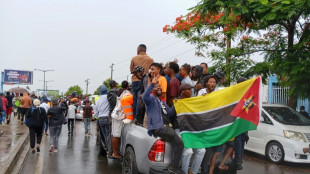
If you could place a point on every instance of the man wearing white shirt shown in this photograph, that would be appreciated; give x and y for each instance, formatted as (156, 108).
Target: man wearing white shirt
(102, 110)
(46, 107)
(71, 117)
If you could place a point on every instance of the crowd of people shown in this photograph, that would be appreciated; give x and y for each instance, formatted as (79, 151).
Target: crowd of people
(148, 102)
(154, 89)
(41, 114)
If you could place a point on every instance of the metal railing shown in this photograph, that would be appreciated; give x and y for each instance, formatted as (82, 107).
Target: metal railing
(279, 94)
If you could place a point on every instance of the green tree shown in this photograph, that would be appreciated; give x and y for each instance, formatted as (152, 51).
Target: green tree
(76, 88)
(105, 83)
(282, 35)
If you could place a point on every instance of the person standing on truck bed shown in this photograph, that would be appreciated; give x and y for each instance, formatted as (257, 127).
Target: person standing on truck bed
(157, 112)
(102, 110)
(143, 60)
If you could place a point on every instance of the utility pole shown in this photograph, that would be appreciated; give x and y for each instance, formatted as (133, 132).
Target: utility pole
(45, 85)
(112, 70)
(87, 82)
(44, 77)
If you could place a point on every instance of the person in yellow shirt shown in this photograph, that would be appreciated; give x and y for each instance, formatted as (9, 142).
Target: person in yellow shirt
(155, 69)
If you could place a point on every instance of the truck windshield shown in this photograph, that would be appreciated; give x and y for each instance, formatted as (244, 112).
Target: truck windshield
(287, 116)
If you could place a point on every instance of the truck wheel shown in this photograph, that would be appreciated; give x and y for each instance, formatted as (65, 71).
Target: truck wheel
(275, 152)
(100, 148)
(129, 162)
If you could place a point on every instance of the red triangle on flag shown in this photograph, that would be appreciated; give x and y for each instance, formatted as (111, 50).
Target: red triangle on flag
(248, 107)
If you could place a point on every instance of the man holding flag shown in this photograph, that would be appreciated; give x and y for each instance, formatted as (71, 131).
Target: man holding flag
(158, 122)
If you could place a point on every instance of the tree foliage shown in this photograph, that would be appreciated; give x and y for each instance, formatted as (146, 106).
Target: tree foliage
(105, 83)
(277, 29)
(76, 88)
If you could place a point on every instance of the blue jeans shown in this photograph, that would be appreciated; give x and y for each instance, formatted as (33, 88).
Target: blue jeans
(197, 155)
(239, 148)
(45, 125)
(104, 125)
(2, 117)
(54, 135)
(87, 124)
(136, 88)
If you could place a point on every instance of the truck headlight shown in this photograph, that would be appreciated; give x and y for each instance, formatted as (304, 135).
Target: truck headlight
(297, 136)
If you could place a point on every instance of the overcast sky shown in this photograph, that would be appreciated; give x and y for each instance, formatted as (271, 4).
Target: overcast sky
(80, 39)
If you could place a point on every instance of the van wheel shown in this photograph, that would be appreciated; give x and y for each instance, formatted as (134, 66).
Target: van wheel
(129, 162)
(99, 145)
(275, 152)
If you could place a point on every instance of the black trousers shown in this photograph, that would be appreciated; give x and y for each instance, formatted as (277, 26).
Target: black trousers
(141, 111)
(169, 135)
(24, 112)
(19, 112)
(35, 132)
(70, 124)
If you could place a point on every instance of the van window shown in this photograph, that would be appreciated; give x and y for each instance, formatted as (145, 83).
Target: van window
(287, 116)
(264, 119)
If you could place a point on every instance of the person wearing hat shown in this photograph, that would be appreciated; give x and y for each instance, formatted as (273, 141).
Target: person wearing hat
(190, 153)
(36, 117)
(102, 111)
(46, 106)
(56, 120)
(209, 83)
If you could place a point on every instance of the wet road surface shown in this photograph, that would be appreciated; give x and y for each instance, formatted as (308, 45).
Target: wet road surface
(78, 154)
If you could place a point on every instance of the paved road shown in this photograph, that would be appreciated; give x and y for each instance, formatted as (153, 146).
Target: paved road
(78, 154)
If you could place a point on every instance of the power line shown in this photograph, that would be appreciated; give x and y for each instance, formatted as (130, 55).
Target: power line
(157, 43)
(179, 54)
(165, 47)
(165, 39)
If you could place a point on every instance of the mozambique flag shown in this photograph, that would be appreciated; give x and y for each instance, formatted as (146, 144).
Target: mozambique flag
(215, 118)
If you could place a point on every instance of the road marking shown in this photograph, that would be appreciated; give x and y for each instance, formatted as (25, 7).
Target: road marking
(39, 165)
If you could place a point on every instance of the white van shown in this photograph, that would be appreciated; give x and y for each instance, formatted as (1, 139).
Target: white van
(281, 135)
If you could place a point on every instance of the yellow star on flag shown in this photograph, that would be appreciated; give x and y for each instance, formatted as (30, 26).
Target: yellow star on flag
(248, 104)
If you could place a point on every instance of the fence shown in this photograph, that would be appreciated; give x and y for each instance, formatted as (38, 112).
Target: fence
(279, 94)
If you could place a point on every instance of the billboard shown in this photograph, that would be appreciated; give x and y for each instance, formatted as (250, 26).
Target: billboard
(18, 77)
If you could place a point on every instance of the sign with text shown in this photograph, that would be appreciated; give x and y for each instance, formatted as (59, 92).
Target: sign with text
(18, 77)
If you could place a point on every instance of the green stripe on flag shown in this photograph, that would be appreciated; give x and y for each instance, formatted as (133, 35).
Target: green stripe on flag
(215, 137)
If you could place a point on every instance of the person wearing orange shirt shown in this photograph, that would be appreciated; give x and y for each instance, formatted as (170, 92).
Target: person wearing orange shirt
(155, 69)
(25, 102)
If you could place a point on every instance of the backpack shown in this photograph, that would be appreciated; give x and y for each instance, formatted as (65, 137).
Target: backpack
(17, 103)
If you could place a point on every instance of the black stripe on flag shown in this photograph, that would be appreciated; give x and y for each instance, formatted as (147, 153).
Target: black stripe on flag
(205, 121)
